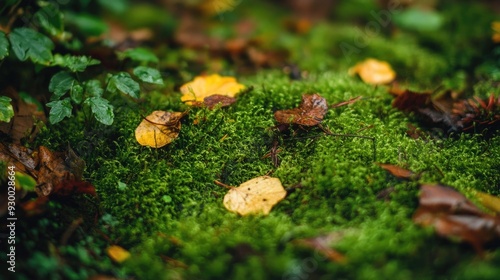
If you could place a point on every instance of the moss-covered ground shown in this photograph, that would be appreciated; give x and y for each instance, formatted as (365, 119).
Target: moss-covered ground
(163, 206)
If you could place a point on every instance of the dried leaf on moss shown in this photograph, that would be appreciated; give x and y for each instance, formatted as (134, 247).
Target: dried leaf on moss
(452, 215)
(373, 71)
(398, 172)
(256, 196)
(322, 244)
(159, 129)
(204, 86)
(310, 112)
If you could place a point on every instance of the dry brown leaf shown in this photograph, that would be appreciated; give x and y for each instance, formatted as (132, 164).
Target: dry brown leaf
(256, 196)
(204, 86)
(159, 129)
(398, 172)
(453, 215)
(213, 100)
(117, 253)
(322, 244)
(310, 112)
(374, 71)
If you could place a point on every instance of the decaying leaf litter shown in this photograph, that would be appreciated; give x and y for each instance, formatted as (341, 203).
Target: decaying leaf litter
(160, 125)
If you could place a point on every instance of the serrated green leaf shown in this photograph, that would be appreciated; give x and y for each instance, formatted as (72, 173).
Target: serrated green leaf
(6, 109)
(51, 20)
(28, 43)
(76, 94)
(4, 45)
(148, 75)
(93, 88)
(61, 83)
(74, 63)
(141, 55)
(59, 110)
(103, 111)
(124, 83)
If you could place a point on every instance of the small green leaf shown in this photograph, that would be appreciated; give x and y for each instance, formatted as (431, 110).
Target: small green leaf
(88, 24)
(93, 88)
(122, 186)
(4, 45)
(74, 63)
(25, 181)
(124, 83)
(28, 43)
(419, 20)
(31, 100)
(51, 20)
(116, 6)
(59, 110)
(141, 55)
(76, 94)
(148, 75)
(6, 109)
(103, 111)
(61, 83)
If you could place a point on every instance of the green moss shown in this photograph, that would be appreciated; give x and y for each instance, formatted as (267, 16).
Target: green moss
(163, 205)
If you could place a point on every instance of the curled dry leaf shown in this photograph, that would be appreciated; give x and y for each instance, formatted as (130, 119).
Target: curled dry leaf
(373, 71)
(256, 196)
(453, 215)
(159, 129)
(117, 253)
(204, 86)
(310, 112)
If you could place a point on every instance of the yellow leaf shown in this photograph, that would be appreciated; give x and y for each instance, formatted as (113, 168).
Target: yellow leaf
(489, 201)
(255, 196)
(117, 253)
(158, 129)
(374, 71)
(212, 7)
(203, 86)
(496, 31)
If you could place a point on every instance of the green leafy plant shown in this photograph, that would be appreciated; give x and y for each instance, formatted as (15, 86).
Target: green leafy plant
(71, 92)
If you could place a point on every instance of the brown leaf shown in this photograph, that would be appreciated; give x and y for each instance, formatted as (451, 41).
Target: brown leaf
(322, 244)
(453, 215)
(213, 100)
(397, 171)
(310, 112)
(26, 118)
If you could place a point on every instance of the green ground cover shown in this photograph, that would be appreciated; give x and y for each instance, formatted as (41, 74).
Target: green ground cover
(163, 206)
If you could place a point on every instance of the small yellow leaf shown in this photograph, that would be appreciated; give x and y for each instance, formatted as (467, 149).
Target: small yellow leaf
(255, 196)
(374, 71)
(203, 86)
(117, 253)
(489, 201)
(496, 31)
(158, 129)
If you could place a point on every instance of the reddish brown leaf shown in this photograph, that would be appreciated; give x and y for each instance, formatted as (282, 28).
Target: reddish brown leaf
(310, 112)
(213, 100)
(453, 215)
(397, 171)
(322, 244)
(411, 101)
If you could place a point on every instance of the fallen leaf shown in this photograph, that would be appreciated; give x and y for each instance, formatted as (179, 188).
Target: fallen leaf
(159, 129)
(322, 244)
(489, 201)
(310, 112)
(347, 102)
(397, 171)
(452, 215)
(204, 86)
(117, 253)
(373, 71)
(27, 116)
(256, 196)
(213, 100)
(496, 31)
